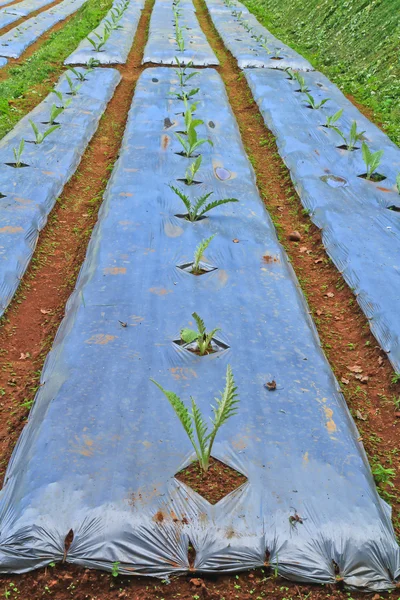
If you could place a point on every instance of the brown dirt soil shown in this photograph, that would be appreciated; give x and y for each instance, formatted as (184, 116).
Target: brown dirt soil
(28, 328)
(214, 485)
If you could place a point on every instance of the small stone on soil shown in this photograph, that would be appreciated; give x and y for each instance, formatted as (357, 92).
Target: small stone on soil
(294, 236)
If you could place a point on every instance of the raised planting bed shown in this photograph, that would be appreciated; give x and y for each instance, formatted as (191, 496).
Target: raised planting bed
(12, 13)
(96, 477)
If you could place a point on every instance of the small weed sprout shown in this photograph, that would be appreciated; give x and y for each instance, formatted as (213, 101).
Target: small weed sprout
(18, 153)
(313, 104)
(115, 568)
(73, 89)
(199, 207)
(40, 137)
(302, 83)
(201, 337)
(201, 248)
(396, 378)
(372, 160)
(330, 121)
(398, 183)
(382, 475)
(354, 136)
(226, 407)
(192, 170)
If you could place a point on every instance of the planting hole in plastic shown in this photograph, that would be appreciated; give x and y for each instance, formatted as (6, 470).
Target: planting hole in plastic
(2, 196)
(69, 538)
(267, 559)
(375, 177)
(191, 556)
(215, 346)
(394, 208)
(184, 155)
(334, 181)
(15, 166)
(186, 217)
(203, 268)
(345, 147)
(222, 174)
(185, 181)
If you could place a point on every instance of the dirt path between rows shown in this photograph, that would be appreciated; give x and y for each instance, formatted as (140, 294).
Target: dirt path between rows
(28, 328)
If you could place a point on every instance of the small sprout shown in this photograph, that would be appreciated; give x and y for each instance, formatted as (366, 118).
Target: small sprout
(226, 407)
(185, 96)
(192, 170)
(201, 337)
(181, 72)
(302, 83)
(40, 137)
(201, 248)
(372, 160)
(398, 183)
(73, 89)
(197, 209)
(313, 104)
(80, 75)
(353, 138)
(290, 73)
(55, 112)
(92, 63)
(18, 153)
(115, 568)
(330, 121)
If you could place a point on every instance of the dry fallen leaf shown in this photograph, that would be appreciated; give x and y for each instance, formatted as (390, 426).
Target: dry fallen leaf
(345, 381)
(319, 312)
(360, 416)
(44, 311)
(355, 369)
(330, 294)
(319, 260)
(380, 360)
(303, 249)
(362, 378)
(270, 385)
(24, 355)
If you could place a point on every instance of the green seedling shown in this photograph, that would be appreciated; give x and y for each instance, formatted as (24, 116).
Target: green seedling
(185, 96)
(81, 76)
(54, 113)
(290, 73)
(265, 46)
(354, 136)
(115, 568)
(316, 105)
(18, 153)
(91, 64)
(398, 183)
(184, 77)
(201, 336)
(180, 39)
(192, 143)
(40, 137)
(73, 89)
(199, 207)
(101, 39)
(192, 422)
(330, 121)
(192, 170)
(277, 52)
(302, 83)
(382, 475)
(201, 248)
(372, 160)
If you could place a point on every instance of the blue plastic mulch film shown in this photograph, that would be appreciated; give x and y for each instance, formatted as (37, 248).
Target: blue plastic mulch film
(105, 470)
(122, 20)
(17, 40)
(9, 14)
(28, 193)
(162, 46)
(3, 62)
(250, 43)
(359, 219)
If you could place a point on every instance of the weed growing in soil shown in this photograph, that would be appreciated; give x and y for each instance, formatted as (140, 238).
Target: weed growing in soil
(192, 170)
(18, 153)
(330, 121)
(313, 104)
(199, 207)
(372, 160)
(201, 248)
(40, 137)
(225, 408)
(201, 336)
(115, 569)
(354, 136)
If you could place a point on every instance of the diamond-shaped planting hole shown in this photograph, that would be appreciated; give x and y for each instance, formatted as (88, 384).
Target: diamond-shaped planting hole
(219, 481)
(214, 347)
(203, 268)
(186, 217)
(2, 196)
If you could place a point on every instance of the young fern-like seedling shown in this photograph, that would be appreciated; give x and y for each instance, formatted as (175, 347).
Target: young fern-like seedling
(192, 170)
(354, 136)
(73, 89)
(202, 337)
(18, 153)
(199, 207)
(40, 137)
(226, 407)
(192, 141)
(313, 104)
(330, 121)
(302, 83)
(198, 253)
(372, 160)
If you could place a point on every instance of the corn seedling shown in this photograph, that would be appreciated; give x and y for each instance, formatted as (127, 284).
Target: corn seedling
(313, 104)
(192, 422)
(302, 83)
(40, 137)
(192, 142)
(91, 64)
(372, 160)
(202, 337)
(101, 39)
(199, 206)
(198, 253)
(73, 89)
(354, 136)
(265, 46)
(18, 153)
(290, 73)
(185, 96)
(184, 77)
(192, 170)
(180, 39)
(330, 121)
(54, 113)
(398, 183)
(80, 75)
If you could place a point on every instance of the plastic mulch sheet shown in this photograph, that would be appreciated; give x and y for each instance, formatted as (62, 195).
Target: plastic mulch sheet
(17, 40)
(102, 444)
(162, 48)
(250, 43)
(27, 194)
(9, 14)
(117, 47)
(3, 62)
(359, 219)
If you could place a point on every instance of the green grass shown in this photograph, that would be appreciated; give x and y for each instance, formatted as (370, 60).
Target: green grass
(27, 83)
(354, 42)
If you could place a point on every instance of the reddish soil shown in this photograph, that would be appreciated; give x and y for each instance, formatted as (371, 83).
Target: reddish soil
(28, 328)
(214, 485)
